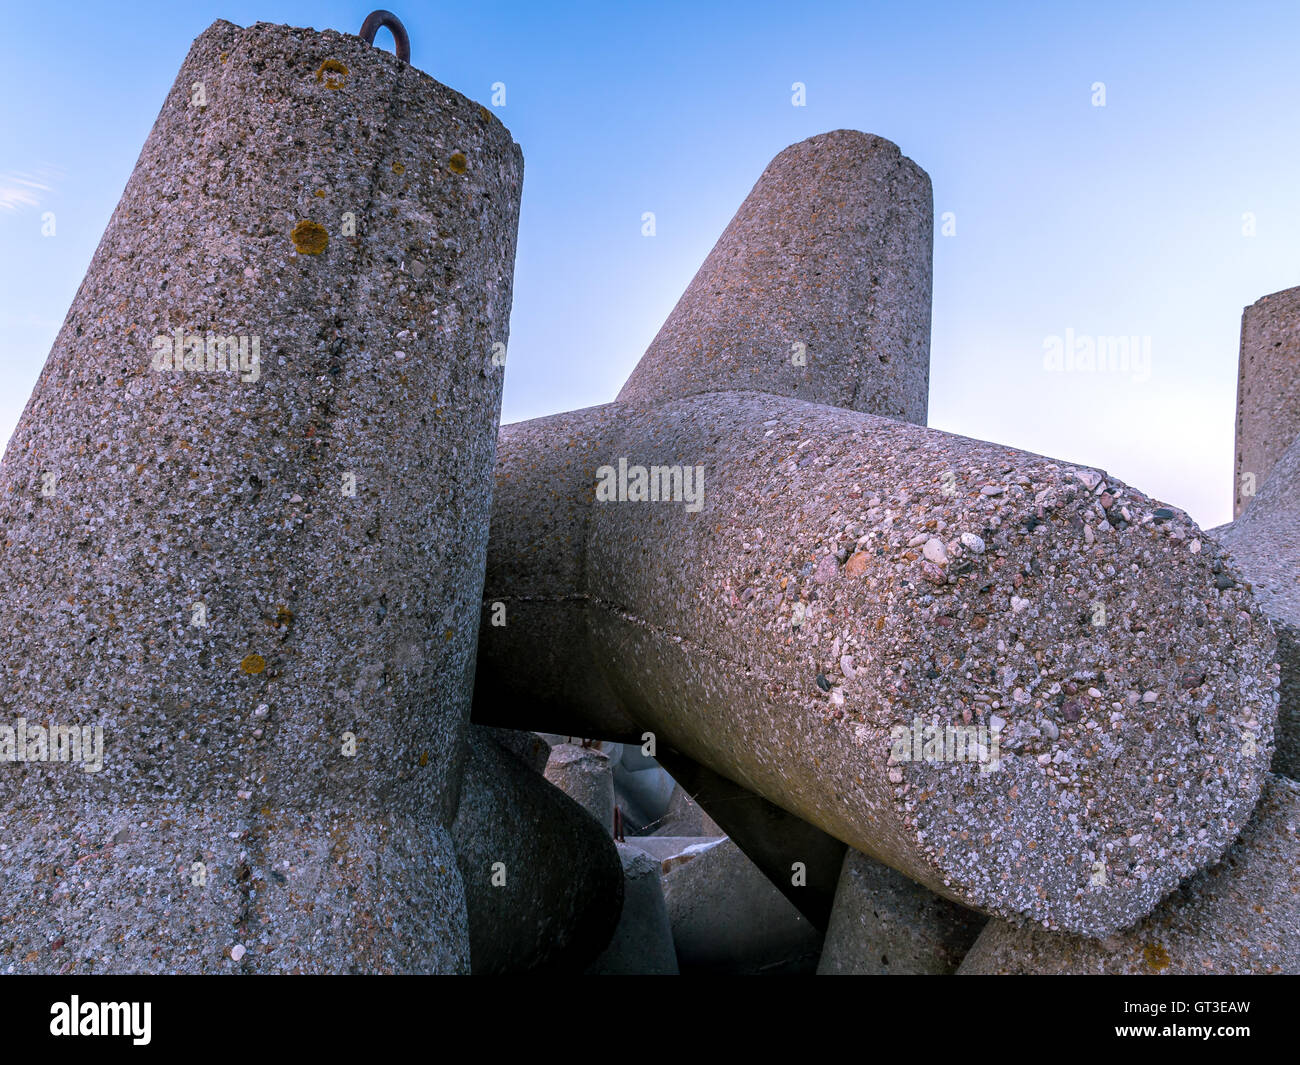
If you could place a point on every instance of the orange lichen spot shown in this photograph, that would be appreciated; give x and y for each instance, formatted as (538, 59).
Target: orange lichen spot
(320, 193)
(283, 618)
(331, 66)
(253, 663)
(309, 238)
(224, 56)
(424, 758)
(458, 164)
(398, 168)
(484, 113)
(1156, 957)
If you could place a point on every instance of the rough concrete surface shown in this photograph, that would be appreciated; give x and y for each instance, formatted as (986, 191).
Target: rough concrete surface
(642, 944)
(1268, 390)
(543, 882)
(1265, 546)
(727, 918)
(183, 562)
(1241, 916)
(884, 924)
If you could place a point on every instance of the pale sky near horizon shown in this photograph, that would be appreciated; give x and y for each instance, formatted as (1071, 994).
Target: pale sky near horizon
(1123, 220)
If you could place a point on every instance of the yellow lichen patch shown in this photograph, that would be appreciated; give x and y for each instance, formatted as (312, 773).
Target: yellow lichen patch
(1156, 957)
(309, 238)
(398, 168)
(331, 66)
(224, 56)
(320, 193)
(424, 758)
(484, 113)
(458, 164)
(253, 663)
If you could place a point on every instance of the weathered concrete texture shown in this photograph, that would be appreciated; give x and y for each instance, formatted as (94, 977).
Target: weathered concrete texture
(1241, 916)
(831, 250)
(585, 775)
(885, 924)
(1268, 388)
(643, 942)
(132, 498)
(1265, 545)
(728, 919)
(847, 576)
(543, 882)
(772, 838)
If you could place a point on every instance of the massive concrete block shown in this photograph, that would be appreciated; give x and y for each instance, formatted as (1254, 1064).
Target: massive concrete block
(850, 580)
(828, 585)
(1268, 390)
(642, 944)
(818, 289)
(586, 776)
(1240, 916)
(884, 924)
(727, 918)
(261, 581)
(1265, 546)
(543, 882)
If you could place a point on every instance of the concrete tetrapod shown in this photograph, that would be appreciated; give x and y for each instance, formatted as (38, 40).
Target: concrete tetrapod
(828, 585)
(884, 924)
(190, 537)
(851, 581)
(543, 880)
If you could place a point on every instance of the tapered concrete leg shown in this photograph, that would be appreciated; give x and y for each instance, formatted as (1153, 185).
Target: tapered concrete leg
(543, 882)
(1268, 391)
(727, 918)
(819, 289)
(1241, 916)
(885, 924)
(261, 580)
(642, 944)
(1265, 546)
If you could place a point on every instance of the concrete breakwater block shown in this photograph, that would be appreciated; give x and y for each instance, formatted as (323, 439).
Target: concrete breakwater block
(727, 918)
(1023, 683)
(265, 433)
(642, 944)
(586, 775)
(543, 882)
(860, 607)
(885, 924)
(1241, 916)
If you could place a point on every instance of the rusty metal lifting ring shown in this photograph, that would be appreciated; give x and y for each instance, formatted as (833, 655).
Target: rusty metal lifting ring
(375, 20)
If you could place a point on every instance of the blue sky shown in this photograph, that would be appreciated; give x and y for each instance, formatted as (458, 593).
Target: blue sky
(1122, 220)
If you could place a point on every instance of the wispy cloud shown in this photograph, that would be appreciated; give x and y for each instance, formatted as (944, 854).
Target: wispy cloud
(20, 189)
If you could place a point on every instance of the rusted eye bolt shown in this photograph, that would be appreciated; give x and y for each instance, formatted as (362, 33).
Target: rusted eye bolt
(377, 19)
